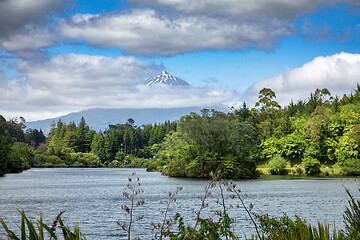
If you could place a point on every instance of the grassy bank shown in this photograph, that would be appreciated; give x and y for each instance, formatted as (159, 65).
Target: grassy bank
(325, 171)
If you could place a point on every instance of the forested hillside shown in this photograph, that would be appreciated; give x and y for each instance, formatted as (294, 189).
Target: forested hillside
(320, 131)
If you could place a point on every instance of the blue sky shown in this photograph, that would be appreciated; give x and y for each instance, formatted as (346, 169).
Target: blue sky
(61, 56)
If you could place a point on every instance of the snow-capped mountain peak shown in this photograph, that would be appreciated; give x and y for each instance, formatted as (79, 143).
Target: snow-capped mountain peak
(167, 79)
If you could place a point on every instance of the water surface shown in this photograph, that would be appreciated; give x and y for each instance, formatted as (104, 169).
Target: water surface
(94, 197)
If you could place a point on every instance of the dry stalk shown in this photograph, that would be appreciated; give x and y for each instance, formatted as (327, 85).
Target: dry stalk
(204, 204)
(131, 191)
(164, 227)
(231, 187)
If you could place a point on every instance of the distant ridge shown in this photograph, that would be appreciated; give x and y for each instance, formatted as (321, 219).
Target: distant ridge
(100, 118)
(167, 79)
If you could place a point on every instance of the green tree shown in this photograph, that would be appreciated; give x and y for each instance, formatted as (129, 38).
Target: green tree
(83, 137)
(98, 147)
(242, 113)
(19, 158)
(34, 137)
(210, 143)
(266, 102)
(4, 149)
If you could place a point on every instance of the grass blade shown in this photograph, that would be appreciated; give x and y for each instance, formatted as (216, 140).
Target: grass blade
(10, 234)
(48, 229)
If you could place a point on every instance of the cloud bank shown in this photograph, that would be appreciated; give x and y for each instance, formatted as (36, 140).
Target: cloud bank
(75, 82)
(285, 9)
(145, 32)
(339, 73)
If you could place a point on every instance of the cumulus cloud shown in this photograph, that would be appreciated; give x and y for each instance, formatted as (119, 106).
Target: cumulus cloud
(146, 32)
(28, 42)
(74, 82)
(14, 14)
(21, 30)
(271, 8)
(31, 38)
(339, 73)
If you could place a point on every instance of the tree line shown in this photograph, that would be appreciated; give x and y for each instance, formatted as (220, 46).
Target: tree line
(321, 130)
(71, 145)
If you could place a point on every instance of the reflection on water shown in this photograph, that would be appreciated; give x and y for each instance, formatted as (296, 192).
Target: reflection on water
(94, 197)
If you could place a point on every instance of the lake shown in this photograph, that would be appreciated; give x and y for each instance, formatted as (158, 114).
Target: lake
(94, 197)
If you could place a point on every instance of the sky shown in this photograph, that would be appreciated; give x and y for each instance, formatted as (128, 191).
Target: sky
(61, 56)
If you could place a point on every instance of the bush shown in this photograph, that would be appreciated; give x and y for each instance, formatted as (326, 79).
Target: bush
(277, 166)
(48, 161)
(114, 164)
(351, 167)
(311, 165)
(80, 159)
(19, 158)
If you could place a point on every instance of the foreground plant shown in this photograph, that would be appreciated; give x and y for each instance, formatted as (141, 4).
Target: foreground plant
(28, 230)
(208, 228)
(231, 187)
(298, 229)
(163, 228)
(352, 216)
(132, 190)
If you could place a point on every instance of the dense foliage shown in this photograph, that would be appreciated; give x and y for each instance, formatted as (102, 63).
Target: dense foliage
(312, 136)
(15, 154)
(320, 131)
(212, 142)
(120, 145)
(71, 145)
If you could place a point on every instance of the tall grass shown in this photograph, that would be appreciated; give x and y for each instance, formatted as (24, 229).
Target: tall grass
(28, 229)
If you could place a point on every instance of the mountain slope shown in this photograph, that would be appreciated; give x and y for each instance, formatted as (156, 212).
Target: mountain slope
(99, 118)
(167, 79)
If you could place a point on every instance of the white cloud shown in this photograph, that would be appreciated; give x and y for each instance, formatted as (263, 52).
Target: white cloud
(75, 82)
(15, 14)
(21, 29)
(146, 32)
(339, 73)
(31, 38)
(270, 8)
(255, 8)
(31, 116)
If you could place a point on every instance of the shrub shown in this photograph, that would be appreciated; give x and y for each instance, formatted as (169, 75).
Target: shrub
(114, 164)
(311, 165)
(277, 166)
(299, 170)
(48, 161)
(19, 158)
(80, 159)
(351, 167)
